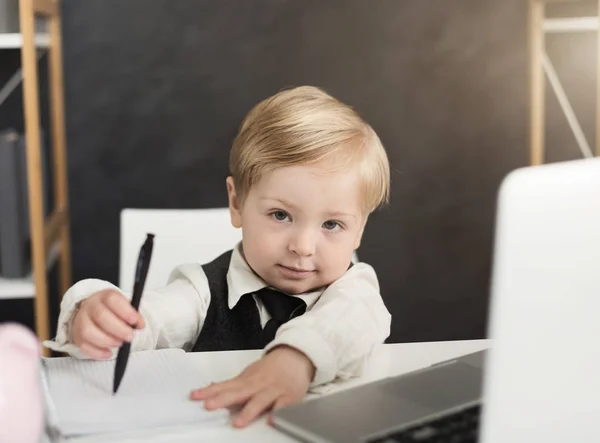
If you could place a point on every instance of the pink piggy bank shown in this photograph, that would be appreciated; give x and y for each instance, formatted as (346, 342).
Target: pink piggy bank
(21, 405)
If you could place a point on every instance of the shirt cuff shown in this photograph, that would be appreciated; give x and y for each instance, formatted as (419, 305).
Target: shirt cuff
(68, 307)
(68, 348)
(314, 346)
(63, 341)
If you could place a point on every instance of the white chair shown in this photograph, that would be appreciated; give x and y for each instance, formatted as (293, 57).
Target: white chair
(182, 236)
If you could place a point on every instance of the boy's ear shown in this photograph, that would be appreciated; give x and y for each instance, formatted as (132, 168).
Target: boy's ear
(234, 208)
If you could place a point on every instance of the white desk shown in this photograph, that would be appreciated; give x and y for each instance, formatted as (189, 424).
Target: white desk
(387, 360)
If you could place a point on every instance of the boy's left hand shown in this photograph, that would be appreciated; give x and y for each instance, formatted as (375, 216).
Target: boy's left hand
(278, 379)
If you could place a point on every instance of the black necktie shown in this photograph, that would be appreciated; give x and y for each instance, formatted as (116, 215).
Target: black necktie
(281, 308)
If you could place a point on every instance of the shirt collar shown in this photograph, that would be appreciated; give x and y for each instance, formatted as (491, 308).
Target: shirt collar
(241, 279)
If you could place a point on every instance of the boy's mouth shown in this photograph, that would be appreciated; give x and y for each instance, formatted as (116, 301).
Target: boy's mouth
(293, 272)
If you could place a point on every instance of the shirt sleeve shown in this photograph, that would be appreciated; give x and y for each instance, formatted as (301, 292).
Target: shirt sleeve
(174, 314)
(343, 327)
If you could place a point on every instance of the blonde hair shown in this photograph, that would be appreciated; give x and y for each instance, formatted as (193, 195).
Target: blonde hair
(304, 126)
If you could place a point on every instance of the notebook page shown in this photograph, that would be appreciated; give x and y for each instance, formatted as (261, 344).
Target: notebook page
(154, 392)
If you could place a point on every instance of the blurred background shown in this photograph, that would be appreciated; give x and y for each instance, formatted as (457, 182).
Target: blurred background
(155, 91)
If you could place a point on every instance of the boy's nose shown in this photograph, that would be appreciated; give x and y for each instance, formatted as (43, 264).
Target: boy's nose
(303, 243)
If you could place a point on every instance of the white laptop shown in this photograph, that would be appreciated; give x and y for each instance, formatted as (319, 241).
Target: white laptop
(541, 379)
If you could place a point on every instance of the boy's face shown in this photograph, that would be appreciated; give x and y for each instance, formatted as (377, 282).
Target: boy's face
(300, 225)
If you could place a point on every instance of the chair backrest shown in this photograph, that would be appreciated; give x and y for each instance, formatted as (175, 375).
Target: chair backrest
(182, 236)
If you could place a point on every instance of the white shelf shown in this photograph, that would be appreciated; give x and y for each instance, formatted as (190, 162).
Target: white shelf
(15, 40)
(575, 24)
(12, 288)
(17, 288)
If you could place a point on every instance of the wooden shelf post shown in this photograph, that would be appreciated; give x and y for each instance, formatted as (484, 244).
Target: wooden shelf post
(55, 230)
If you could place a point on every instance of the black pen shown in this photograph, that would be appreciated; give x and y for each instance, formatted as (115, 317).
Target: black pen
(141, 271)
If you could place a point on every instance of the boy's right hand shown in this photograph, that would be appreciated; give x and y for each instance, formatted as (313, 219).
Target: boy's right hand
(104, 320)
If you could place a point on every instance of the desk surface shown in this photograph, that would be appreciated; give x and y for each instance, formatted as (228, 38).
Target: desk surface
(387, 360)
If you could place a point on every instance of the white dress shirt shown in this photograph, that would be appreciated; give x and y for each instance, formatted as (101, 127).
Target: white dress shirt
(340, 328)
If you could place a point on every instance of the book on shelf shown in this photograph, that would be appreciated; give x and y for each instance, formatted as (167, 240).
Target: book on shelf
(14, 204)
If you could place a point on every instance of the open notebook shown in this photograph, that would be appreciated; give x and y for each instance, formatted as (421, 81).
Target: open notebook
(154, 392)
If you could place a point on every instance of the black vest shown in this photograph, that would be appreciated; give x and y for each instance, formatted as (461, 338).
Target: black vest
(227, 329)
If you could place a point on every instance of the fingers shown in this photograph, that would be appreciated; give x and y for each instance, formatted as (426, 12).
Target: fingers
(234, 392)
(234, 395)
(211, 390)
(258, 404)
(275, 381)
(97, 336)
(228, 393)
(214, 392)
(122, 308)
(106, 320)
(95, 352)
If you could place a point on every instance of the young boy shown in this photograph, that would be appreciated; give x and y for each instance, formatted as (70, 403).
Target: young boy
(306, 172)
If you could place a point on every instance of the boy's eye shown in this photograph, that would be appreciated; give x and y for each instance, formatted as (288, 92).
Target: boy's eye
(279, 215)
(331, 225)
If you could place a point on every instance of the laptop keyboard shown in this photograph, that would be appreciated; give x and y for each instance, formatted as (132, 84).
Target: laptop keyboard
(458, 427)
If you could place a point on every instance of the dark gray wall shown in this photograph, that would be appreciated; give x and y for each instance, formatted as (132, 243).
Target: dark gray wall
(155, 91)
